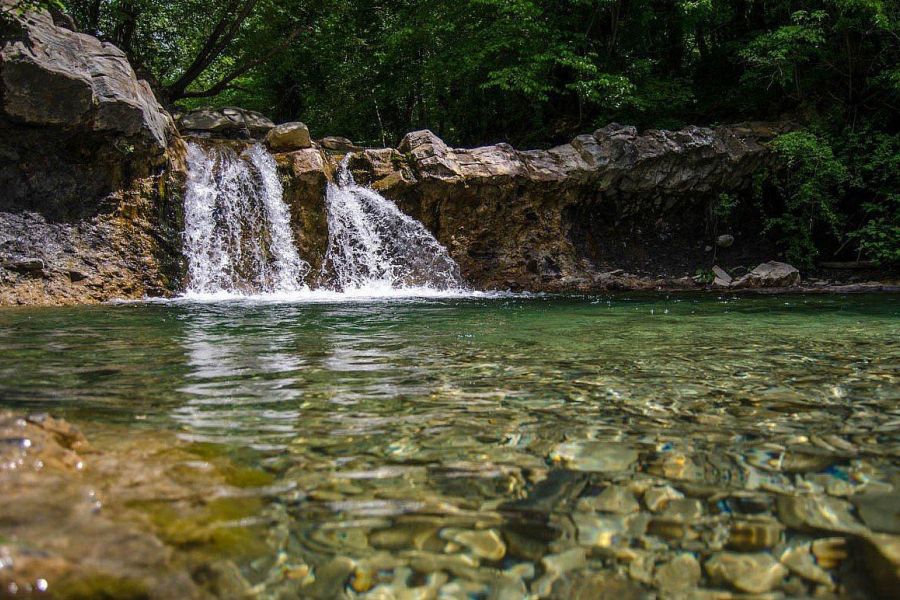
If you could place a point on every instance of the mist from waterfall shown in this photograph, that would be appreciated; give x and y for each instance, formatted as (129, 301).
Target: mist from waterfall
(373, 245)
(238, 235)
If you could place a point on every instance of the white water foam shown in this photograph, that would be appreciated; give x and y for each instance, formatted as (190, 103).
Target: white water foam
(239, 245)
(238, 237)
(374, 247)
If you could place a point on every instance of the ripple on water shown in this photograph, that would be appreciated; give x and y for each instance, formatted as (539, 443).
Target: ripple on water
(469, 446)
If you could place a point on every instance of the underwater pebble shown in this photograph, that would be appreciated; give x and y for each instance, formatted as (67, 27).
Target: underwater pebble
(656, 498)
(817, 513)
(801, 561)
(683, 509)
(748, 536)
(485, 543)
(829, 552)
(880, 512)
(754, 573)
(615, 499)
(678, 575)
(601, 457)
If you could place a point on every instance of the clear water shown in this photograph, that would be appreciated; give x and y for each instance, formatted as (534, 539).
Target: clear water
(382, 430)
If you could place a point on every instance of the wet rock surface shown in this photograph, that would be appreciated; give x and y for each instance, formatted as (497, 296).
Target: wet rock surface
(613, 209)
(131, 520)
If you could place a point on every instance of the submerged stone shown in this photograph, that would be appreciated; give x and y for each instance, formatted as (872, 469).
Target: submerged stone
(485, 543)
(753, 573)
(800, 559)
(747, 536)
(680, 574)
(881, 512)
(616, 499)
(594, 456)
(818, 513)
(657, 498)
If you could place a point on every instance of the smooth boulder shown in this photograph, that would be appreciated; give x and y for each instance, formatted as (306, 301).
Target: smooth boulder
(288, 137)
(227, 123)
(770, 274)
(338, 144)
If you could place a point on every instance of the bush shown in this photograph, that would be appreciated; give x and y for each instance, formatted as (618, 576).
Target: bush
(809, 181)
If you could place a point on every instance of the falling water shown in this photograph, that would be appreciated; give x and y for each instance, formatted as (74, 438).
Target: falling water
(373, 245)
(237, 227)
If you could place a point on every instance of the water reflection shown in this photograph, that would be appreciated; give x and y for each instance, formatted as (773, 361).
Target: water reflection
(241, 383)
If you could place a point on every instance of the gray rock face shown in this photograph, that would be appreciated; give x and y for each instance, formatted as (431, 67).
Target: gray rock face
(76, 122)
(338, 144)
(770, 274)
(228, 123)
(565, 217)
(287, 137)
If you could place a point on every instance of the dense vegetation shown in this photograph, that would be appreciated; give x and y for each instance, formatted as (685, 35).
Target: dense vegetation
(534, 72)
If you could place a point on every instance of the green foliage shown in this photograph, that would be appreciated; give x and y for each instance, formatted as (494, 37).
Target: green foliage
(874, 159)
(704, 276)
(8, 12)
(810, 181)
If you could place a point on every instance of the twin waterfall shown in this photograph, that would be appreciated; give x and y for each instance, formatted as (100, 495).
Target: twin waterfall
(238, 238)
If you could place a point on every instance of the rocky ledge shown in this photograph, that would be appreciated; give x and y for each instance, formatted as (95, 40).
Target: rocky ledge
(88, 192)
(616, 208)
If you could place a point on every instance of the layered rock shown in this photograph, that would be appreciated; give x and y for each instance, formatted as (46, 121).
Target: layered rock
(88, 170)
(77, 123)
(228, 123)
(565, 218)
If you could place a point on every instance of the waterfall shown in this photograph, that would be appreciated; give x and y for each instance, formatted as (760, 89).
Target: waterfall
(237, 227)
(373, 245)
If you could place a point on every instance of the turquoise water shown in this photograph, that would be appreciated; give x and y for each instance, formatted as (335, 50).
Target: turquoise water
(458, 446)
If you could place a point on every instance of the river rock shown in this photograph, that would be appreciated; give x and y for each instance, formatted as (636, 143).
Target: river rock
(680, 574)
(721, 277)
(753, 573)
(747, 536)
(770, 274)
(683, 509)
(616, 499)
(656, 498)
(818, 513)
(338, 144)
(229, 122)
(586, 585)
(800, 559)
(601, 457)
(287, 137)
(881, 512)
(485, 543)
